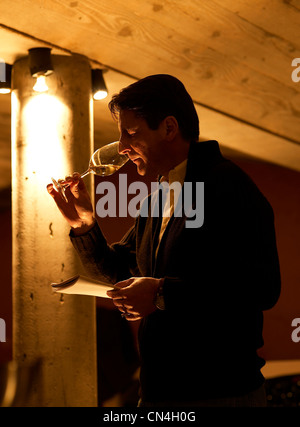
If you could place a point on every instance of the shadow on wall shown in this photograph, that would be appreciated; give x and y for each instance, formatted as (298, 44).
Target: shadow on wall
(281, 187)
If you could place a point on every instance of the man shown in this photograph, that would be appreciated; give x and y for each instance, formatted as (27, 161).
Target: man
(200, 291)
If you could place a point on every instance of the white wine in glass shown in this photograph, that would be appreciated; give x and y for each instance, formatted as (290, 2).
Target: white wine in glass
(104, 162)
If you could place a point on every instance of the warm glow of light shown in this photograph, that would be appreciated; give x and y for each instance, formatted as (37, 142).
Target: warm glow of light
(100, 94)
(11, 384)
(4, 90)
(43, 118)
(41, 85)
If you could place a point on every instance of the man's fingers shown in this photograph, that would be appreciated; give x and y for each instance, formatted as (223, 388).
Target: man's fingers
(120, 289)
(125, 283)
(61, 203)
(116, 294)
(77, 187)
(51, 189)
(120, 300)
(119, 304)
(56, 196)
(132, 318)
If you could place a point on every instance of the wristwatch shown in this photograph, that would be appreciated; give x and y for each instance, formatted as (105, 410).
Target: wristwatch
(159, 300)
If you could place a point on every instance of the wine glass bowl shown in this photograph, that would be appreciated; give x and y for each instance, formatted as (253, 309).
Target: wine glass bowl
(104, 162)
(107, 160)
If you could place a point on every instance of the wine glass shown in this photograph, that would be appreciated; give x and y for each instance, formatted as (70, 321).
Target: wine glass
(104, 162)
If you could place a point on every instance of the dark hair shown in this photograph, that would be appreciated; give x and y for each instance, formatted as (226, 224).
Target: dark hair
(156, 97)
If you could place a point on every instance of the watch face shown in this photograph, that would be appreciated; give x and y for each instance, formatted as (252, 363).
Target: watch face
(160, 302)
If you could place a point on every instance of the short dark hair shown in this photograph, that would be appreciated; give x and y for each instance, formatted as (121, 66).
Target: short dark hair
(156, 97)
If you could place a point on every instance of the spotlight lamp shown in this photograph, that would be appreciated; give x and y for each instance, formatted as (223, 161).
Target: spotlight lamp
(5, 78)
(99, 88)
(40, 65)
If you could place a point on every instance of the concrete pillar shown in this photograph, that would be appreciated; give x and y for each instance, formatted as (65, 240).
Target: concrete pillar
(52, 135)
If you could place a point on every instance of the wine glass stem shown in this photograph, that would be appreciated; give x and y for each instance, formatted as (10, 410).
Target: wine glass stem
(85, 173)
(66, 184)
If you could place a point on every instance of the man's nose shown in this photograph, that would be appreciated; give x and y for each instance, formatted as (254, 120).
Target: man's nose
(123, 147)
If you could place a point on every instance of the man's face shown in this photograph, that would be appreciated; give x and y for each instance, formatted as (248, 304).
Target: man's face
(143, 146)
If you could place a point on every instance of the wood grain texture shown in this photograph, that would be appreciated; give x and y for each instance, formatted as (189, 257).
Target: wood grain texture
(227, 54)
(234, 57)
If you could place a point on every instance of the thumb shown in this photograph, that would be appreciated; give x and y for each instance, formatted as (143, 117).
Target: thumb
(120, 289)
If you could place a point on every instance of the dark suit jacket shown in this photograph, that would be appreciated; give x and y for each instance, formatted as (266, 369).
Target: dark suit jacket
(218, 280)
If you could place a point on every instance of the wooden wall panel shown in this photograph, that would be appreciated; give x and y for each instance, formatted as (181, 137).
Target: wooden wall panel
(227, 60)
(234, 57)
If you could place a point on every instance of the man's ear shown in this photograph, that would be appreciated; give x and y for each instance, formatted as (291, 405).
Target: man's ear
(171, 127)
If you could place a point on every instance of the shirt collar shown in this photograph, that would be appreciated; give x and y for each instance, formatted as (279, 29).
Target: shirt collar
(177, 174)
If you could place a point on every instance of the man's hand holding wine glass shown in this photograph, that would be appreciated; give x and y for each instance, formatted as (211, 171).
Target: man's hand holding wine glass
(77, 208)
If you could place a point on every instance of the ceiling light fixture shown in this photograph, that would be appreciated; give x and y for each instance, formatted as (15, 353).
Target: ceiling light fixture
(5, 78)
(99, 88)
(40, 65)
